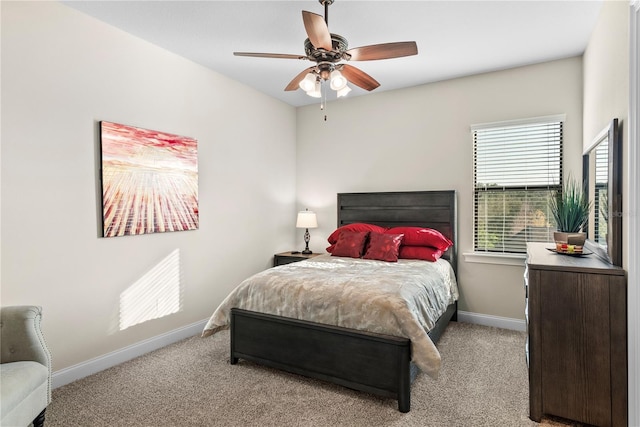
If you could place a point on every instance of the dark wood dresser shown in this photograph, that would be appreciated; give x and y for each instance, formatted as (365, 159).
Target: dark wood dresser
(576, 311)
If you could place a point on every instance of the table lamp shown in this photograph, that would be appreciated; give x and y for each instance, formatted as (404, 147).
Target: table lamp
(306, 220)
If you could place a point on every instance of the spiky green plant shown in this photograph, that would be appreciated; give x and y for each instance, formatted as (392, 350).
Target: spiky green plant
(570, 207)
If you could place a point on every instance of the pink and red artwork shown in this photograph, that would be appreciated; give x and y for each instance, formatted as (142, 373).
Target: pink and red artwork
(149, 181)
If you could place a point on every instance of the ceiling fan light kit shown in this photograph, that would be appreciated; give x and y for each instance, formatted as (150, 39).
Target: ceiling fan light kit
(330, 51)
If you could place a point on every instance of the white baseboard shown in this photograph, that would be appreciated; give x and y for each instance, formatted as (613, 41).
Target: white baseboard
(95, 365)
(495, 321)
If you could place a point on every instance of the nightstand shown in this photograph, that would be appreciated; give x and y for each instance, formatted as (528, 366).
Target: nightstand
(287, 258)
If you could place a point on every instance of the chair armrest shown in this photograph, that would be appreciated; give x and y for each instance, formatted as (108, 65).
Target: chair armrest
(21, 335)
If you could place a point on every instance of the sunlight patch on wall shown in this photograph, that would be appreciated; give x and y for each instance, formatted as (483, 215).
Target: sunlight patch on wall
(154, 295)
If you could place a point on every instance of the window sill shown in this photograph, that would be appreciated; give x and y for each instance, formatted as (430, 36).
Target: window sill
(492, 258)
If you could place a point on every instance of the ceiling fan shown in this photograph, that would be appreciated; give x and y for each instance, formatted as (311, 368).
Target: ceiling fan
(328, 51)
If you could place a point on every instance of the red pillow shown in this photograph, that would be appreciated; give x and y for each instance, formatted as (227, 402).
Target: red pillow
(418, 236)
(350, 244)
(383, 247)
(331, 248)
(356, 226)
(420, 252)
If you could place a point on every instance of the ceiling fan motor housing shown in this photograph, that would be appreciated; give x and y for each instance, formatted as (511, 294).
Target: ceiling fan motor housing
(339, 47)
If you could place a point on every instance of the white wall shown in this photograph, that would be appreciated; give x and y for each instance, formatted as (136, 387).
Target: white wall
(62, 72)
(419, 139)
(606, 89)
(633, 287)
(607, 95)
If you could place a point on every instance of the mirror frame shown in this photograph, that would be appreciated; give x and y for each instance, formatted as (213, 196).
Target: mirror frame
(613, 251)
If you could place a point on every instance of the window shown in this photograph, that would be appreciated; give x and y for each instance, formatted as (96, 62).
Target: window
(517, 168)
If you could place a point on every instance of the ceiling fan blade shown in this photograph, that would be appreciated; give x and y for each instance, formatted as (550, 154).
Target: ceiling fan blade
(293, 84)
(383, 51)
(359, 77)
(270, 55)
(317, 30)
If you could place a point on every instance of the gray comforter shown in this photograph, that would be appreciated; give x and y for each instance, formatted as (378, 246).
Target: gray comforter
(401, 299)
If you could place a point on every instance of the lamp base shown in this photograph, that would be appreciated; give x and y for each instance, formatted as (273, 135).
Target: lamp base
(307, 237)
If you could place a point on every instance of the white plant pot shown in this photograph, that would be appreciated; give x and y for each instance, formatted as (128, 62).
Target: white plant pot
(570, 238)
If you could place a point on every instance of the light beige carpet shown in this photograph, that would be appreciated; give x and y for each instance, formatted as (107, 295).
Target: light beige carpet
(483, 382)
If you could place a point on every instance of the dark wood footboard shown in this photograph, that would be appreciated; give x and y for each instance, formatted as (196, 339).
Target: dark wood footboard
(374, 363)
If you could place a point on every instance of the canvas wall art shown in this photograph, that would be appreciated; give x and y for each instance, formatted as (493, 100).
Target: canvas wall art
(149, 181)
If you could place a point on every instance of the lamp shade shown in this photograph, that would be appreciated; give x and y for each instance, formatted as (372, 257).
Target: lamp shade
(308, 83)
(338, 81)
(306, 219)
(344, 91)
(316, 91)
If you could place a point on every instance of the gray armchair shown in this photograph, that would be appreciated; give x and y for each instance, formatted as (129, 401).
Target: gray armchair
(25, 367)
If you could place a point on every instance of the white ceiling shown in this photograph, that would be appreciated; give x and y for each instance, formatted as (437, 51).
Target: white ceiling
(454, 38)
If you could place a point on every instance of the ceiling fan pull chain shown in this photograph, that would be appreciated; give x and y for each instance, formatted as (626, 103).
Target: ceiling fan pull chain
(323, 102)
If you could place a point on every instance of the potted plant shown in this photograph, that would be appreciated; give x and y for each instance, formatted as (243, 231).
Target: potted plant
(570, 208)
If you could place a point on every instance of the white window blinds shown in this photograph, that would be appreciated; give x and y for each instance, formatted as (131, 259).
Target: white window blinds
(517, 167)
(601, 198)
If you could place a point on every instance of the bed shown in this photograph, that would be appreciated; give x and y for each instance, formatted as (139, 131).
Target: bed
(373, 362)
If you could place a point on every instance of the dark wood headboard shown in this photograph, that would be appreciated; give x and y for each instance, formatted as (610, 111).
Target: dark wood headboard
(431, 209)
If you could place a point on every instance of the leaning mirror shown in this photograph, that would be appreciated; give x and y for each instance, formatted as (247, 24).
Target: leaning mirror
(602, 181)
